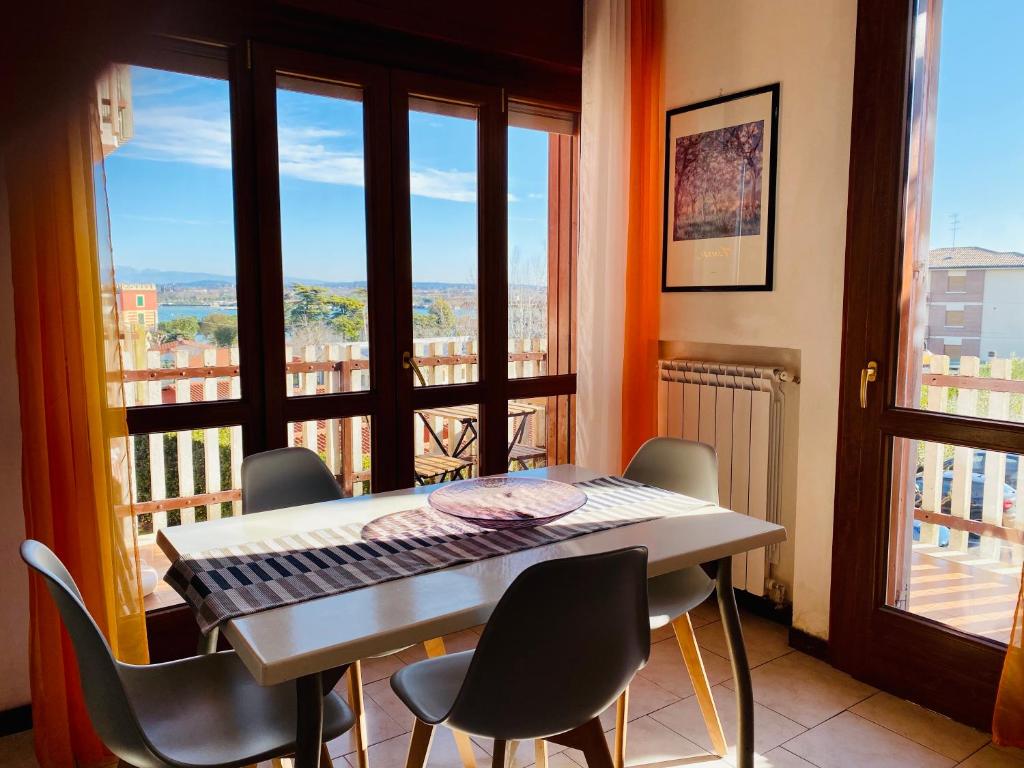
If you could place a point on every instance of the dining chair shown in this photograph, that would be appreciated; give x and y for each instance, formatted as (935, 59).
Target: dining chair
(562, 644)
(290, 477)
(206, 711)
(691, 469)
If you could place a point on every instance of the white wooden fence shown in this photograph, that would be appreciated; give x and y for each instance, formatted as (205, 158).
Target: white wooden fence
(174, 377)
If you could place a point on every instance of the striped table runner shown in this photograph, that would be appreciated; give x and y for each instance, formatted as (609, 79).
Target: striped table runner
(222, 584)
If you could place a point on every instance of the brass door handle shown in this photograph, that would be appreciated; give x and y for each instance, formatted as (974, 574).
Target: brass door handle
(867, 376)
(408, 361)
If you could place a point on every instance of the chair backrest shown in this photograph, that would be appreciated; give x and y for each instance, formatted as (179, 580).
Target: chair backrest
(286, 477)
(562, 644)
(105, 698)
(677, 465)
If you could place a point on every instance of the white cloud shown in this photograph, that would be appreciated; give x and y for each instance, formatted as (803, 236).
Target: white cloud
(191, 135)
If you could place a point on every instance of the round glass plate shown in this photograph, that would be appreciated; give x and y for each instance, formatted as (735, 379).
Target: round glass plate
(507, 502)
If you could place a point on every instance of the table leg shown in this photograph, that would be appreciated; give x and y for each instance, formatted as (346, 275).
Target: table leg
(309, 696)
(740, 666)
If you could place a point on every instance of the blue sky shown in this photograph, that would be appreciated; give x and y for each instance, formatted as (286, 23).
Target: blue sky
(170, 186)
(979, 141)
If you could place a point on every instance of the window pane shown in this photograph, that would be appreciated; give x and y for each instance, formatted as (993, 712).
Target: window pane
(182, 477)
(342, 444)
(323, 235)
(167, 140)
(446, 444)
(443, 205)
(958, 538)
(528, 251)
(964, 271)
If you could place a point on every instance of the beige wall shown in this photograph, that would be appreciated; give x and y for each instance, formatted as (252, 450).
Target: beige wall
(14, 690)
(715, 48)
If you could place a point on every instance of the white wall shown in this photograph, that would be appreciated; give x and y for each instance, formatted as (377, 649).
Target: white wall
(14, 688)
(1002, 313)
(715, 48)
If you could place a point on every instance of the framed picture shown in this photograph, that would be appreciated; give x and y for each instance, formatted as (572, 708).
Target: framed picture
(720, 193)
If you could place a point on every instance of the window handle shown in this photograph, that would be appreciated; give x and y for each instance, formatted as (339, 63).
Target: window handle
(867, 376)
(408, 361)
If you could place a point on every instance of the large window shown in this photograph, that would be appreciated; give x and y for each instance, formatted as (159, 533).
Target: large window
(359, 252)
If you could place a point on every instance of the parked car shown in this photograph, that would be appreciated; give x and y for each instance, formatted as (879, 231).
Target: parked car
(1012, 465)
(977, 500)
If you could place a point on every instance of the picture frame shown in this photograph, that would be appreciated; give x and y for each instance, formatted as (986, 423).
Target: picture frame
(719, 208)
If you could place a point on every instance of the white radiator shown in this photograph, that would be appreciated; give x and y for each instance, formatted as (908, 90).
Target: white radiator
(739, 411)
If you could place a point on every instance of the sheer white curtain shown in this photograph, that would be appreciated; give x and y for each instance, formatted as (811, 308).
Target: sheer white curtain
(601, 266)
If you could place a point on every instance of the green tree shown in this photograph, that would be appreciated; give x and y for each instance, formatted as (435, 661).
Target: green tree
(439, 320)
(319, 305)
(179, 328)
(223, 329)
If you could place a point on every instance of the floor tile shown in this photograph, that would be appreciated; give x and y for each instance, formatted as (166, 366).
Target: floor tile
(381, 667)
(804, 689)
(765, 640)
(707, 612)
(994, 757)
(18, 751)
(666, 668)
(644, 697)
(650, 743)
(770, 728)
(780, 757)
(379, 727)
(849, 741)
(443, 754)
(383, 695)
(927, 728)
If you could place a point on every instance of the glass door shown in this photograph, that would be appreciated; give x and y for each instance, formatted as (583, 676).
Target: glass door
(929, 541)
(326, 250)
(449, 145)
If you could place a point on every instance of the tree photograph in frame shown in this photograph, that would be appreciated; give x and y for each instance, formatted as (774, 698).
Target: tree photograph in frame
(719, 223)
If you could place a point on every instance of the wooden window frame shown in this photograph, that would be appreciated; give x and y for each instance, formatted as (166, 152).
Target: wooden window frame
(264, 410)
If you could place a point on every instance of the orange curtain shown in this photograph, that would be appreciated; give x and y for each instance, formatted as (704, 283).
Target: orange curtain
(75, 473)
(1008, 719)
(643, 244)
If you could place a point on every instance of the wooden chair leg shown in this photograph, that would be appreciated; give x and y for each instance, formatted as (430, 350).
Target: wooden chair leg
(325, 757)
(277, 762)
(510, 753)
(355, 700)
(434, 649)
(589, 739)
(621, 718)
(683, 628)
(500, 754)
(419, 744)
(540, 753)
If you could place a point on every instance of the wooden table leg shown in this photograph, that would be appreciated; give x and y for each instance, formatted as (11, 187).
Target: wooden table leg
(309, 695)
(355, 700)
(463, 743)
(589, 739)
(740, 666)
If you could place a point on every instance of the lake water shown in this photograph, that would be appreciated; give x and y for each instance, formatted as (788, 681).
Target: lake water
(198, 311)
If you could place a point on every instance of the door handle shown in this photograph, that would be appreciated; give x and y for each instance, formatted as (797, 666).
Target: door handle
(408, 361)
(867, 376)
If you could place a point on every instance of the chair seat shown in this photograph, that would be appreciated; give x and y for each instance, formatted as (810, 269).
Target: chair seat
(209, 711)
(429, 687)
(671, 595)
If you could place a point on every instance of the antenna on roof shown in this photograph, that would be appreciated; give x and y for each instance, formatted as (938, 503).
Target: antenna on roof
(954, 224)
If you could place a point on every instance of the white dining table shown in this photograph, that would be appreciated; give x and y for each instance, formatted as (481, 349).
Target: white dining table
(297, 642)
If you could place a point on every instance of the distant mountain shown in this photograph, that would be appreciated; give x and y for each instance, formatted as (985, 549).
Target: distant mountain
(127, 274)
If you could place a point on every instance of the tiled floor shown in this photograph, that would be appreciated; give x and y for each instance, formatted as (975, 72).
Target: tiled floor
(806, 714)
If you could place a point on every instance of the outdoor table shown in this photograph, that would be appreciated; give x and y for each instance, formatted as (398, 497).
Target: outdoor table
(299, 641)
(467, 415)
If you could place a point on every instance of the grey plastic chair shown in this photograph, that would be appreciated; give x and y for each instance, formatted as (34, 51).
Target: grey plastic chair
(562, 644)
(286, 477)
(204, 711)
(689, 468)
